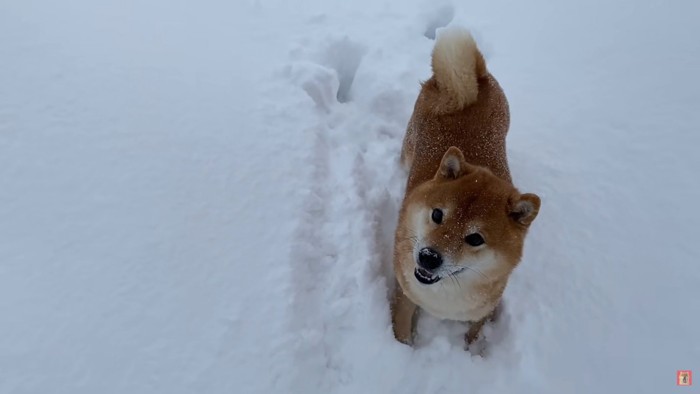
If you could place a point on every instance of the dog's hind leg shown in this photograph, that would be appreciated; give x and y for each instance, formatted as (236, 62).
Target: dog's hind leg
(403, 315)
(409, 145)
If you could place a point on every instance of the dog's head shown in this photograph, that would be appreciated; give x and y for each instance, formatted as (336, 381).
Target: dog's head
(467, 221)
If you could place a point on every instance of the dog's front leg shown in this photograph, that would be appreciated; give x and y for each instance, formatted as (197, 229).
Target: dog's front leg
(475, 328)
(474, 331)
(403, 312)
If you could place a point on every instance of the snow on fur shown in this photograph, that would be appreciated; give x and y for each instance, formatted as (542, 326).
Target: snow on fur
(202, 198)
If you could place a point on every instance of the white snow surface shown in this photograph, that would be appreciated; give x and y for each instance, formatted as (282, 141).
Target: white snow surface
(200, 197)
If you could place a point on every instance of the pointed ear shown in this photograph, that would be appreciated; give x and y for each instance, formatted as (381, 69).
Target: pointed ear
(524, 208)
(453, 164)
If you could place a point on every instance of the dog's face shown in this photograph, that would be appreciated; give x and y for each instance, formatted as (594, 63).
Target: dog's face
(467, 221)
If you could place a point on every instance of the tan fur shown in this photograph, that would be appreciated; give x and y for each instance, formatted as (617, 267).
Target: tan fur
(455, 154)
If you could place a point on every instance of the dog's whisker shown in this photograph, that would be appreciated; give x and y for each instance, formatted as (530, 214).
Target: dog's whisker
(456, 281)
(478, 272)
(452, 277)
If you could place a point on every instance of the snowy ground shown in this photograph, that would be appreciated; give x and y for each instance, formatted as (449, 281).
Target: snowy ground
(200, 197)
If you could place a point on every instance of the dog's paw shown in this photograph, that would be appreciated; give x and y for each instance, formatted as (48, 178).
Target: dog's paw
(407, 338)
(477, 347)
(406, 341)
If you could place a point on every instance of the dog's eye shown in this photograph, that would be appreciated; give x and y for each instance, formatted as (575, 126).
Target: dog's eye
(474, 239)
(437, 216)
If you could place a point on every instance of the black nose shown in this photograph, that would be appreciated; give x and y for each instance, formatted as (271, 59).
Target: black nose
(429, 258)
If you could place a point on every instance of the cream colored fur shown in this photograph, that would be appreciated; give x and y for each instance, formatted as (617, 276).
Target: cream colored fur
(454, 298)
(454, 64)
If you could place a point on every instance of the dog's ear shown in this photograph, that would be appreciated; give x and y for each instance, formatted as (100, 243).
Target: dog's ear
(524, 208)
(453, 164)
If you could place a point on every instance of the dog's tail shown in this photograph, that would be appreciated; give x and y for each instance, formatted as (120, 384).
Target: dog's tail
(457, 66)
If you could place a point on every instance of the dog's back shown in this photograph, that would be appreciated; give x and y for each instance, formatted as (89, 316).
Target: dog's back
(461, 105)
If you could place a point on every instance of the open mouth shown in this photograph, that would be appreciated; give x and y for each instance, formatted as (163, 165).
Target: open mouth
(426, 277)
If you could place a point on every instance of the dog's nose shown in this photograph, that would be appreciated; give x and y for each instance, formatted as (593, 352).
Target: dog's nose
(429, 258)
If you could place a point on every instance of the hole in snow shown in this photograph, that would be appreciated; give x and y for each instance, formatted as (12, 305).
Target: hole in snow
(441, 18)
(345, 57)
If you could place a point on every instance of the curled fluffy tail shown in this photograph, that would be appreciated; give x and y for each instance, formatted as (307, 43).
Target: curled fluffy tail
(457, 66)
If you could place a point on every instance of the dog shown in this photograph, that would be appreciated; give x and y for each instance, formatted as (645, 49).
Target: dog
(462, 223)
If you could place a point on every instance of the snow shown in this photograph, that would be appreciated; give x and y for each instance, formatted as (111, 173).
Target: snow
(201, 197)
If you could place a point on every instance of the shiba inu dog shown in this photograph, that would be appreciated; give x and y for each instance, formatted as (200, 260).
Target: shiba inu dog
(462, 223)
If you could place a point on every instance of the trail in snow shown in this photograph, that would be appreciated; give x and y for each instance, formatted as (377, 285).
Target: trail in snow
(327, 275)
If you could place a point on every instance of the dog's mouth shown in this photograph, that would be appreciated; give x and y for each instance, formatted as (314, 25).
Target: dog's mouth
(428, 278)
(425, 277)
